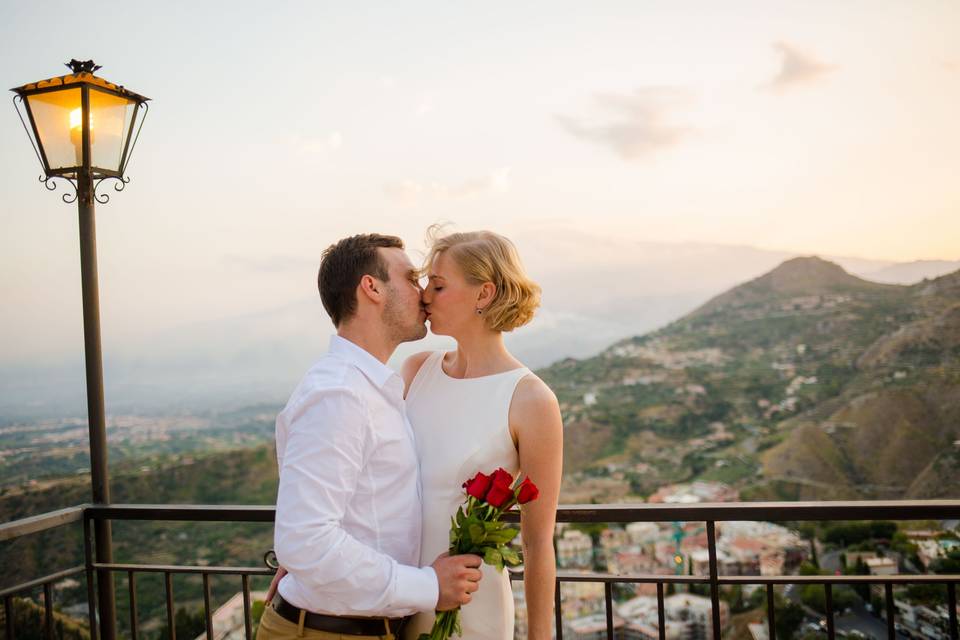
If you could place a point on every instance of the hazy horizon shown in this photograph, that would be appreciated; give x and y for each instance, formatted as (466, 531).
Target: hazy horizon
(752, 127)
(257, 358)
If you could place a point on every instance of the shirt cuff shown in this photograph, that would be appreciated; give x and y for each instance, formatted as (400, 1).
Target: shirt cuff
(416, 588)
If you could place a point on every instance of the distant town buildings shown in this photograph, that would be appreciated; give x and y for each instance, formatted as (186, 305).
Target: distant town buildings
(920, 621)
(881, 566)
(574, 550)
(694, 492)
(686, 616)
(743, 548)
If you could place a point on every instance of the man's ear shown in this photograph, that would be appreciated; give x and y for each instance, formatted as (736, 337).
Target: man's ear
(371, 288)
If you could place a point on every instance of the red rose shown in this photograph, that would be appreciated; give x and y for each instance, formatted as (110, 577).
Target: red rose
(502, 478)
(477, 487)
(499, 494)
(527, 491)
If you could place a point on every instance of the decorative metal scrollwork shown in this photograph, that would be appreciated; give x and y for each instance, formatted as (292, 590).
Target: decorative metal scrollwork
(52, 186)
(104, 198)
(270, 559)
(82, 66)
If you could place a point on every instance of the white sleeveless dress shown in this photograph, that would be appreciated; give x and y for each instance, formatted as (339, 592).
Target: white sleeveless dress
(462, 427)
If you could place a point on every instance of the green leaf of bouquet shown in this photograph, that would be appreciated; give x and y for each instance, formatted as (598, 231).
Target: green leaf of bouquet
(460, 516)
(498, 537)
(492, 557)
(510, 556)
(477, 534)
(502, 537)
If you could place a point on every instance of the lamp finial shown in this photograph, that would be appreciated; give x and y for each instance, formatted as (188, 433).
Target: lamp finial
(84, 66)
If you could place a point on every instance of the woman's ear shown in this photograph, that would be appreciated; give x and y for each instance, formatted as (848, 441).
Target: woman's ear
(487, 291)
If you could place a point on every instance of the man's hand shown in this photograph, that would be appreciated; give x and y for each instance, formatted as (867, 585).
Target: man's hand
(273, 584)
(459, 576)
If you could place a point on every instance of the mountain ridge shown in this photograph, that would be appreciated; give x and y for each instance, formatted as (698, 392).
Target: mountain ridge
(804, 383)
(801, 276)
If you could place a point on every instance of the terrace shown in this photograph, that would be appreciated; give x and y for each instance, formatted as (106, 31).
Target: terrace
(99, 577)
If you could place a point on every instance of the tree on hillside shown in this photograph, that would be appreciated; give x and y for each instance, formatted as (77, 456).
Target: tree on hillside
(187, 624)
(28, 622)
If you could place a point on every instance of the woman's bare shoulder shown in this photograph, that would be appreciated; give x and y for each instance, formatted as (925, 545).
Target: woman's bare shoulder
(410, 367)
(533, 400)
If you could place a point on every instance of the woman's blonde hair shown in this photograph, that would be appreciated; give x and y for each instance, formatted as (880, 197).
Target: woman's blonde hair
(484, 256)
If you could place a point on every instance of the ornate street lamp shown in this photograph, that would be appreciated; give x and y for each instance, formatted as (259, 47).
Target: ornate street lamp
(83, 130)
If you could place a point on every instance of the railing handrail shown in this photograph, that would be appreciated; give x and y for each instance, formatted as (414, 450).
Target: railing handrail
(188, 512)
(42, 522)
(39, 582)
(607, 513)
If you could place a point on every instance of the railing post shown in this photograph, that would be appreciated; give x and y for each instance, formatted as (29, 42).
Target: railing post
(952, 606)
(771, 613)
(88, 563)
(558, 610)
(8, 616)
(134, 621)
(608, 602)
(661, 616)
(891, 611)
(207, 613)
(171, 620)
(828, 602)
(247, 622)
(48, 611)
(714, 584)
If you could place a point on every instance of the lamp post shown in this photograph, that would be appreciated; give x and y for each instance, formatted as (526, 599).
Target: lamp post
(82, 130)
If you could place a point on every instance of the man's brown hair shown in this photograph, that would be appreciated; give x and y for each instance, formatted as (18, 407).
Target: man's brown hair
(343, 264)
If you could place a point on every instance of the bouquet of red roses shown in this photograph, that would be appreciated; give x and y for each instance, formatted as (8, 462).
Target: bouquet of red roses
(477, 529)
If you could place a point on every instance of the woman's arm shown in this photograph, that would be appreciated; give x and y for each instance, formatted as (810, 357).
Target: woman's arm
(538, 428)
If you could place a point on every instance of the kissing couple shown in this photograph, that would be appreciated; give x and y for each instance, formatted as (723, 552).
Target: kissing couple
(371, 461)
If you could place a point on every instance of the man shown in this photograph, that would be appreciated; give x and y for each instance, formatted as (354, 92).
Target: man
(348, 508)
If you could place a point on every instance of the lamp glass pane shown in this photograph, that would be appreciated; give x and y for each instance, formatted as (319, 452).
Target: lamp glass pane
(110, 120)
(57, 117)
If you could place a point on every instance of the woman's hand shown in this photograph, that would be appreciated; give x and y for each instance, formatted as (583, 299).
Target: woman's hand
(273, 583)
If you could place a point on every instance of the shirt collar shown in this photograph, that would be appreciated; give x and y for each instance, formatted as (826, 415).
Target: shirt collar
(376, 371)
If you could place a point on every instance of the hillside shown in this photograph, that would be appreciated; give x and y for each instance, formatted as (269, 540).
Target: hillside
(243, 476)
(804, 383)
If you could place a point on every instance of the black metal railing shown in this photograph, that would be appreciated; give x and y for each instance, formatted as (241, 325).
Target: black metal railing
(708, 513)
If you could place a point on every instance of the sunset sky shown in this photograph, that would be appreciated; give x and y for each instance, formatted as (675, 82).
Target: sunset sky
(276, 128)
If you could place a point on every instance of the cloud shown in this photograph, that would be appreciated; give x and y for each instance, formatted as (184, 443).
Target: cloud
(410, 191)
(633, 125)
(796, 68)
(332, 141)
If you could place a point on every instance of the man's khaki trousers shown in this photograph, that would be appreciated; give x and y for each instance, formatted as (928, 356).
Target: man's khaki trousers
(274, 627)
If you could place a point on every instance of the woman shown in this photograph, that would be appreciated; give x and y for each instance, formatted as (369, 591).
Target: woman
(478, 408)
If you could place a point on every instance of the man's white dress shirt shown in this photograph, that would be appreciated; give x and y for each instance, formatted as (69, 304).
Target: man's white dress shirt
(348, 508)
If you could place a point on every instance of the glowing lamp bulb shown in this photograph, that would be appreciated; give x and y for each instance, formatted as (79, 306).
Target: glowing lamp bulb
(75, 117)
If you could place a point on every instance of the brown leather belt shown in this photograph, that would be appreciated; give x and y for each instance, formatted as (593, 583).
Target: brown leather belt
(337, 624)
